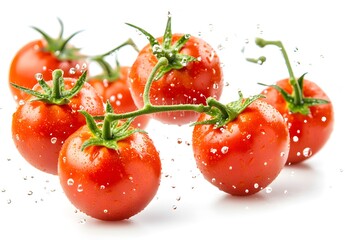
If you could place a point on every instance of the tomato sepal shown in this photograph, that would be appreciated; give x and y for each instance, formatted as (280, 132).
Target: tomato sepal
(171, 52)
(57, 94)
(108, 132)
(223, 114)
(59, 46)
(301, 104)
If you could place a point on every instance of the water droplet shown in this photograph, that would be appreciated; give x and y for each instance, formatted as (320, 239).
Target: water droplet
(215, 86)
(213, 180)
(3, 190)
(246, 191)
(39, 76)
(174, 207)
(30, 193)
(178, 198)
(307, 152)
(70, 182)
(230, 167)
(213, 150)
(295, 139)
(224, 149)
(102, 187)
(179, 141)
(268, 189)
(82, 221)
(9, 201)
(80, 188)
(184, 61)
(105, 210)
(21, 102)
(256, 185)
(323, 119)
(72, 71)
(53, 140)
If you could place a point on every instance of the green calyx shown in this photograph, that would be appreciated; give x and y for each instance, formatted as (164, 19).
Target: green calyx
(301, 104)
(167, 50)
(223, 114)
(56, 94)
(59, 46)
(108, 132)
(110, 73)
(296, 101)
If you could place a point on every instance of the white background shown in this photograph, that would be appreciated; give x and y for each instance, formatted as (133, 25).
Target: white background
(305, 201)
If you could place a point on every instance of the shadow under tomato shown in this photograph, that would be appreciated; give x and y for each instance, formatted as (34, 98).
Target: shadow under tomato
(294, 183)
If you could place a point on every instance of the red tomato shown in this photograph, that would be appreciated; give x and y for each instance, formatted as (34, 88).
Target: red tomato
(308, 133)
(32, 59)
(39, 129)
(119, 96)
(191, 84)
(245, 155)
(109, 184)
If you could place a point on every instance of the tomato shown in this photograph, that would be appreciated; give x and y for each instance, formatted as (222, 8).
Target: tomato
(39, 129)
(118, 94)
(109, 184)
(245, 155)
(43, 56)
(190, 82)
(305, 107)
(308, 132)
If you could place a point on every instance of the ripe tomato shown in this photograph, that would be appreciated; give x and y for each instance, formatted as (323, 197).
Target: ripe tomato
(245, 155)
(109, 184)
(43, 56)
(308, 133)
(39, 129)
(119, 96)
(187, 82)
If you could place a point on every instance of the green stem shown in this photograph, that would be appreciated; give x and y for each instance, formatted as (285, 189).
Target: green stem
(298, 94)
(127, 42)
(226, 113)
(56, 93)
(106, 129)
(148, 108)
(162, 62)
(108, 72)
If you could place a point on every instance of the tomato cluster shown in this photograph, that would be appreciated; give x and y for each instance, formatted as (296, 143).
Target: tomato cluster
(88, 129)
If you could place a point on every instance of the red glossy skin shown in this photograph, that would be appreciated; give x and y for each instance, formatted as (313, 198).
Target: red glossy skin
(308, 133)
(190, 85)
(31, 59)
(117, 92)
(247, 154)
(109, 184)
(40, 129)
